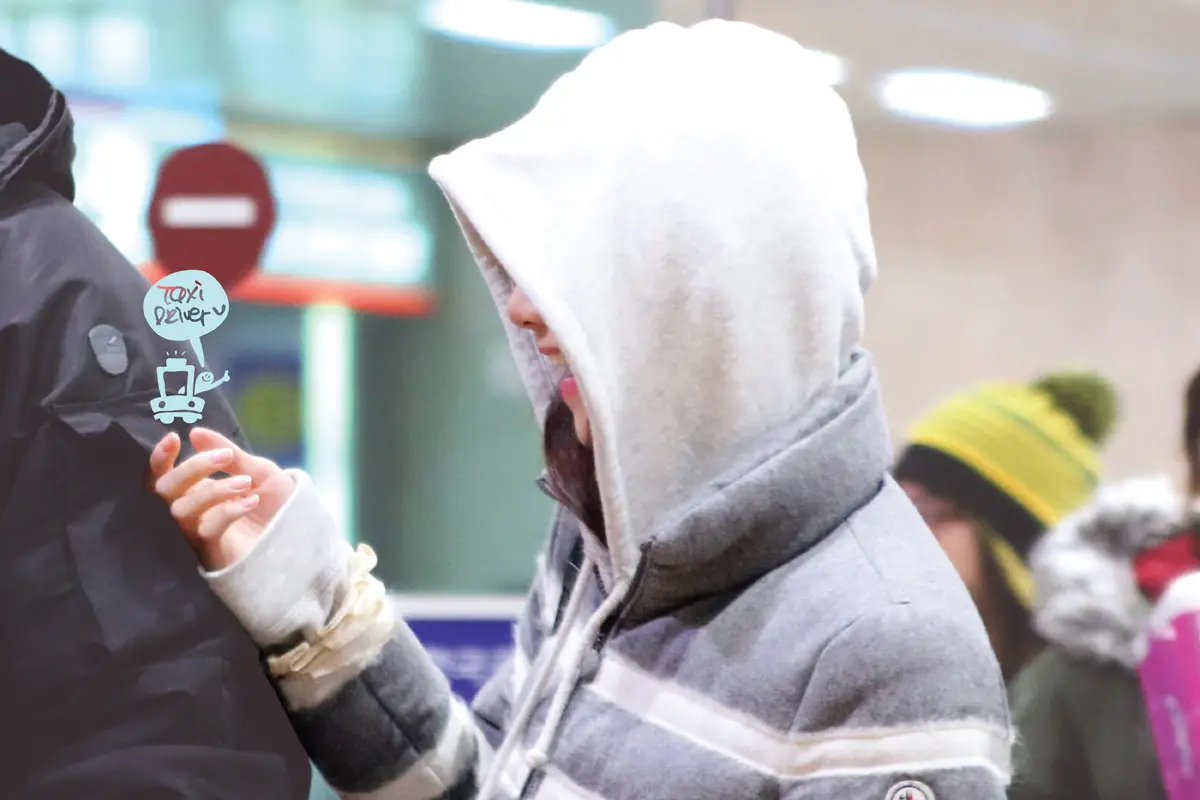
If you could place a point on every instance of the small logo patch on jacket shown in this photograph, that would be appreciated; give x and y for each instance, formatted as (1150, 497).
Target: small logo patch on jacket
(910, 790)
(108, 345)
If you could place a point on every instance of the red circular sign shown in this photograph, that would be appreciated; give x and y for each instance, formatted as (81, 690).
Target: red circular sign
(212, 210)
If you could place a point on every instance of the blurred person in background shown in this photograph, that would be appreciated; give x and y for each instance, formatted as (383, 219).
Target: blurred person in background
(1079, 707)
(122, 676)
(735, 600)
(990, 470)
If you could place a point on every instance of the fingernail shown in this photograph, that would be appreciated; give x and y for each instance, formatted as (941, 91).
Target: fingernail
(240, 481)
(221, 456)
(250, 502)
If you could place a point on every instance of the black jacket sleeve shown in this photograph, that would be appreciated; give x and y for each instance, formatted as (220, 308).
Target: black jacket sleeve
(121, 675)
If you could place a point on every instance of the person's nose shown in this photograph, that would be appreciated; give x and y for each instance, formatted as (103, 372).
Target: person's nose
(523, 313)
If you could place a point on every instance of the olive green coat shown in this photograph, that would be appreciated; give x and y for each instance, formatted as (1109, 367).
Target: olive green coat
(1082, 730)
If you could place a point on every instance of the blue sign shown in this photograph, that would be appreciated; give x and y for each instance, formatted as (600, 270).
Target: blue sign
(467, 637)
(268, 400)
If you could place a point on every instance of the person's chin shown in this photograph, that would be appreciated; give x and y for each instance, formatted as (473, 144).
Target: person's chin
(583, 432)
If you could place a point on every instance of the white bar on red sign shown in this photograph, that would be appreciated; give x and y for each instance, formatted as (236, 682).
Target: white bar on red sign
(209, 211)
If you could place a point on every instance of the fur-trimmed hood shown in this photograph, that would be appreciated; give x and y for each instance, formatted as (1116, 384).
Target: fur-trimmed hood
(1088, 600)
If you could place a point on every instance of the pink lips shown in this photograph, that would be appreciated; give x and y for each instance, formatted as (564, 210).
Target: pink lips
(569, 388)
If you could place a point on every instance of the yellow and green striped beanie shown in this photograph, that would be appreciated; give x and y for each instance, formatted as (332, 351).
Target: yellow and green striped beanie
(1017, 457)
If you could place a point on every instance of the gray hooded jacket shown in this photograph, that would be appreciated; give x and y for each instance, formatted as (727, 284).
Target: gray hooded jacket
(770, 618)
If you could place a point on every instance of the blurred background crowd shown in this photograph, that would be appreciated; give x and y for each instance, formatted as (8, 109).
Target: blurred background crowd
(1034, 185)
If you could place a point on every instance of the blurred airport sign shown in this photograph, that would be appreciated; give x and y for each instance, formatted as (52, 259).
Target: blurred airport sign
(212, 210)
(268, 401)
(359, 234)
(468, 637)
(344, 234)
(118, 147)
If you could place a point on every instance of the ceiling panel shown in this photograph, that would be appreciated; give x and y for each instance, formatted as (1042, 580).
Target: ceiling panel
(369, 66)
(1095, 59)
(362, 66)
(478, 89)
(356, 67)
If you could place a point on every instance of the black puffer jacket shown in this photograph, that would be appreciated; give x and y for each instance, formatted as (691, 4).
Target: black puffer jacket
(121, 675)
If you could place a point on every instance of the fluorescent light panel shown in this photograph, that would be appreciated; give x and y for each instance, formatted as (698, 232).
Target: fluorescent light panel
(329, 399)
(119, 49)
(962, 99)
(519, 23)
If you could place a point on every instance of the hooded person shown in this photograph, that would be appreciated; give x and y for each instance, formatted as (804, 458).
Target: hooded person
(990, 470)
(735, 600)
(1079, 706)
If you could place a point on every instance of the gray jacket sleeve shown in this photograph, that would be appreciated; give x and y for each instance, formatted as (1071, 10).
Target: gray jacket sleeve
(374, 712)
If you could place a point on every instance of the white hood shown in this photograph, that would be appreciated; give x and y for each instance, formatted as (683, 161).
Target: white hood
(688, 211)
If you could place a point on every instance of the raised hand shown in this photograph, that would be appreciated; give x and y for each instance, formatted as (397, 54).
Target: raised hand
(222, 518)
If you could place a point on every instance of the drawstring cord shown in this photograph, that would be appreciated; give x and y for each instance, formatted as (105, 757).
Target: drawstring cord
(538, 756)
(516, 731)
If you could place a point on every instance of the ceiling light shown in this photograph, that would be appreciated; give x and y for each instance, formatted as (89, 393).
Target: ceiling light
(519, 23)
(830, 69)
(8, 34)
(50, 42)
(120, 50)
(962, 99)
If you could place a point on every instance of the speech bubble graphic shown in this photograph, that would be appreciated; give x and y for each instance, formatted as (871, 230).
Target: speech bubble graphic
(186, 305)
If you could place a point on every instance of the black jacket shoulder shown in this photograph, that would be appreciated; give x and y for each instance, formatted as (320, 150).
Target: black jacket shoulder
(121, 674)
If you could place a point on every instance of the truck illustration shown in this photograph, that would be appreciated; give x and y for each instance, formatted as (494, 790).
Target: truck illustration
(184, 403)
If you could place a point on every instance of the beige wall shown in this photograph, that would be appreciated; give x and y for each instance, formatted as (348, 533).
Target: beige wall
(1005, 255)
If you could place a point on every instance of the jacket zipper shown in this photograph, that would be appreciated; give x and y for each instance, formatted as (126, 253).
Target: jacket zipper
(610, 626)
(613, 623)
